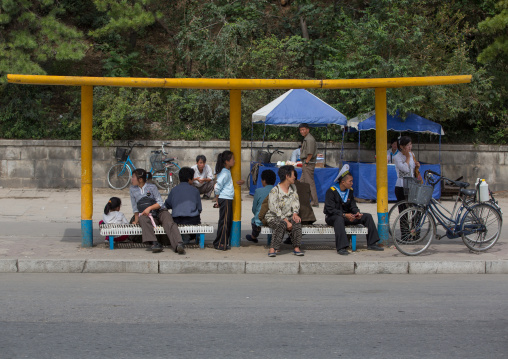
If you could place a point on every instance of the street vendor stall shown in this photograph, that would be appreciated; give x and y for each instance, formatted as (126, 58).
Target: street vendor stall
(364, 173)
(291, 109)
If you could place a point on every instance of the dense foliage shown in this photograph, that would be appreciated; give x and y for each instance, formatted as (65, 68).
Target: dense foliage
(301, 39)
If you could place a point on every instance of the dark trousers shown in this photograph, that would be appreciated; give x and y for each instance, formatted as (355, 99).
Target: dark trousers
(339, 224)
(399, 194)
(170, 227)
(186, 238)
(222, 241)
(279, 227)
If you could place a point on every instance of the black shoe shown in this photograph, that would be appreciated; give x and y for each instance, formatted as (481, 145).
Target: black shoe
(157, 248)
(205, 197)
(315, 205)
(375, 247)
(287, 240)
(343, 252)
(251, 239)
(180, 249)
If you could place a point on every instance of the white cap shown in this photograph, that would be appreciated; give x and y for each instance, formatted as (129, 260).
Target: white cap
(344, 170)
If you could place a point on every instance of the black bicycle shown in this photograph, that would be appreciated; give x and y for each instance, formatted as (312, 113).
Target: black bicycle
(263, 158)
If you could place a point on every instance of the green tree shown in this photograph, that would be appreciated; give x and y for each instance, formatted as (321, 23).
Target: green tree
(32, 34)
(496, 26)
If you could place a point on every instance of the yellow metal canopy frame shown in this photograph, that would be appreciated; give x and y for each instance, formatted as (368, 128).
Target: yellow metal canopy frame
(234, 86)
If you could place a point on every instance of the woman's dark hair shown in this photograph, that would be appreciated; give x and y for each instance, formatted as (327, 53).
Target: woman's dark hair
(185, 174)
(201, 158)
(114, 202)
(221, 160)
(285, 171)
(142, 174)
(404, 140)
(269, 177)
(395, 139)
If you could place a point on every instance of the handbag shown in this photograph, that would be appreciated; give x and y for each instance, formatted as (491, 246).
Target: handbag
(146, 202)
(417, 173)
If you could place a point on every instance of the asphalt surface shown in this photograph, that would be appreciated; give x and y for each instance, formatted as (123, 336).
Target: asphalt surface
(254, 316)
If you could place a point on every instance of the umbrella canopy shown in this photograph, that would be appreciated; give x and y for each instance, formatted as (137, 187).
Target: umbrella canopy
(413, 123)
(298, 106)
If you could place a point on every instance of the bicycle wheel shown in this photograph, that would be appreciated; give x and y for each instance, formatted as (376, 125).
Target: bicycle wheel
(160, 180)
(393, 213)
(119, 176)
(481, 227)
(413, 230)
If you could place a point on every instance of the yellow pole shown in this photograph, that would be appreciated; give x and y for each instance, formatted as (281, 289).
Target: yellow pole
(235, 145)
(381, 165)
(86, 166)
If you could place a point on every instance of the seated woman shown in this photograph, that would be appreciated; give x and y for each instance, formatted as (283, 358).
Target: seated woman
(146, 204)
(282, 215)
(341, 211)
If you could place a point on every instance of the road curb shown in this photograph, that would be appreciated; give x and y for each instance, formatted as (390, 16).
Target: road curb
(447, 267)
(8, 265)
(380, 267)
(204, 267)
(153, 266)
(50, 265)
(496, 267)
(121, 266)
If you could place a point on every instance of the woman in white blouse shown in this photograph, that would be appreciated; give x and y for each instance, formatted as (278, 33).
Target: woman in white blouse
(405, 164)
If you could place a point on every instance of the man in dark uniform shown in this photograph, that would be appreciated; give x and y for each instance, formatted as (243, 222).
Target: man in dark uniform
(308, 154)
(341, 211)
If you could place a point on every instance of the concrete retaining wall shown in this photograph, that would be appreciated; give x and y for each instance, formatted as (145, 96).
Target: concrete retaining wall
(56, 164)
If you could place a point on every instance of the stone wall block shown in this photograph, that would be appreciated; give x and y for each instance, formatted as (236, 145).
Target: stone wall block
(48, 169)
(72, 169)
(34, 153)
(20, 169)
(10, 153)
(64, 153)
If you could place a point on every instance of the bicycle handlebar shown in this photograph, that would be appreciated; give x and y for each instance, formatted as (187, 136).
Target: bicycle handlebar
(433, 182)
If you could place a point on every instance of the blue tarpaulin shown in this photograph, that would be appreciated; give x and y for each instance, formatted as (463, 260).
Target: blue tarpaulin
(297, 106)
(412, 123)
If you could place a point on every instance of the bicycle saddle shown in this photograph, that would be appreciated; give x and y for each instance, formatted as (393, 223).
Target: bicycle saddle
(468, 192)
(169, 159)
(461, 184)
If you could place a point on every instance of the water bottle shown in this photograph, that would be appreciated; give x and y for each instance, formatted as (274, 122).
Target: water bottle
(484, 191)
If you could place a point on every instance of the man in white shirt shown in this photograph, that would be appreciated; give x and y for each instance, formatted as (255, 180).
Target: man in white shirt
(393, 150)
(203, 177)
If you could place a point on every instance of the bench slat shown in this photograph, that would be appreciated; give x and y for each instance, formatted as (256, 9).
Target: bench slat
(134, 229)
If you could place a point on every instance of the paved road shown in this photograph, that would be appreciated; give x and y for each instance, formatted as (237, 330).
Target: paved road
(253, 316)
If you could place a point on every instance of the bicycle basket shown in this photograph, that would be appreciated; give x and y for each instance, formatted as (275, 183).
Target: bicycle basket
(408, 182)
(420, 194)
(264, 157)
(156, 162)
(121, 154)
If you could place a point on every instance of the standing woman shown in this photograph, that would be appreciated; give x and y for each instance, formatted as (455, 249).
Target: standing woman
(147, 205)
(225, 192)
(283, 209)
(405, 165)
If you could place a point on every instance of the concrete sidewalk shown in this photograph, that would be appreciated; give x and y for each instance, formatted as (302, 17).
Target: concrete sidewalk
(41, 232)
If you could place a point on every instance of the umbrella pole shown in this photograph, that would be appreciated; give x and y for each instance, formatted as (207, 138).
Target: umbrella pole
(358, 157)
(342, 147)
(418, 147)
(251, 139)
(326, 140)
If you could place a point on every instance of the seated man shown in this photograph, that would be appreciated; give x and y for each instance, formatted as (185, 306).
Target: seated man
(268, 179)
(341, 210)
(185, 202)
(203, 177)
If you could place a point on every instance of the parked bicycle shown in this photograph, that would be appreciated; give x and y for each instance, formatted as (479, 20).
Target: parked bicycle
(479, 224)
(263, 158)
(164, 170)
(408, 181)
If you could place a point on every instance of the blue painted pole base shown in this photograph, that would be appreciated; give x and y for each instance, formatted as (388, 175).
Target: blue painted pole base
(382, 228)
(236, 233)
(86, 233)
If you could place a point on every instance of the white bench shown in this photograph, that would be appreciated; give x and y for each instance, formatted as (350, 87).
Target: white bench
(352, 230)
(113, 230)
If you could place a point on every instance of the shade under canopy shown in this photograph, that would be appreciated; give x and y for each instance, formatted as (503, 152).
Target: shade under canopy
(298, 106)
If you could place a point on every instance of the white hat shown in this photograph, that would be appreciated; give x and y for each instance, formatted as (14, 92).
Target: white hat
(343, 171)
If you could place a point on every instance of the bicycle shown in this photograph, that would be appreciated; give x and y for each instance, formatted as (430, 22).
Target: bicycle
(392, 215)
(263, 158)
(479, 224)
(164, 170)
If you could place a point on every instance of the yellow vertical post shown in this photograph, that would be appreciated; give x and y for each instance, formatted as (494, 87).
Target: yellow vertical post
(86, 166)
(235, 146)
(381, 165)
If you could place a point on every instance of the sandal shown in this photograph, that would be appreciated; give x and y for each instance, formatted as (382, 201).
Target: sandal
(298, 253)
(215, 205)
(272, 254)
